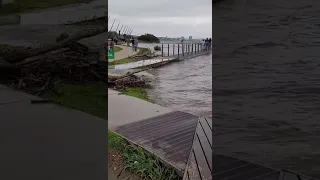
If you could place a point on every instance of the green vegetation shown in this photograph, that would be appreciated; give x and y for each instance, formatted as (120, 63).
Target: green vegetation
(121, 61)
(20, 6)
(149, 38)
(117, 48)
(137, 161)
(138, 93)
(128, 59)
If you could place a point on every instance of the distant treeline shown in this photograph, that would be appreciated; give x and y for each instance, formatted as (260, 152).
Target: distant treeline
(149, 38)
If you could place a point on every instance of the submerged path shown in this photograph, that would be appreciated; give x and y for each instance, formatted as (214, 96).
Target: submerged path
(125, 52)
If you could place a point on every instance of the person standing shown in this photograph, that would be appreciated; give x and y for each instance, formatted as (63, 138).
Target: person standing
(206, 43)
(136, 45)
(132, 44)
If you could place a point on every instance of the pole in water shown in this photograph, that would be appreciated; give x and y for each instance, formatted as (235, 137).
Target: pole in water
(162, 50)
(173, 50)
(178, 50)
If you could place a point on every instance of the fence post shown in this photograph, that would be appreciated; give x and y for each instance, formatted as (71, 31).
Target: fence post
(168, 50)
(192, 48)
(178, 50)
(162, 49)
(182, 49)
(173, 49)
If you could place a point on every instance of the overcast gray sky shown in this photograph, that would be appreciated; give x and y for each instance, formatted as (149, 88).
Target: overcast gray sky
(172, 18)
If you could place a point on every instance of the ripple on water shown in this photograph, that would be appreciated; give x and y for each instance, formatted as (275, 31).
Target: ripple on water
(185, 86)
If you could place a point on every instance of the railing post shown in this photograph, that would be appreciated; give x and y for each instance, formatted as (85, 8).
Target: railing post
(182, 49)
(173, 49)
(192, 48)
(162, 49)
(168, 50)
(178, 50)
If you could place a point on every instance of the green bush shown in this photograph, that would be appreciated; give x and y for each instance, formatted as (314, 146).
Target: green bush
(149, 38)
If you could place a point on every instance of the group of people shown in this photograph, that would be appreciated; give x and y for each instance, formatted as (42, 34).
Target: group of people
(206, 43)
(134, 44)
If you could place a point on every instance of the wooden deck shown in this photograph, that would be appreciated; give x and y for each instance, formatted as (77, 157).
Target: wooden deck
(167, 136)
(200, 159)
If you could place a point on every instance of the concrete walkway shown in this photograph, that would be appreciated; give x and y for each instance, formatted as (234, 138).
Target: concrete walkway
(125, 52)
(123, 109)
(46, 141)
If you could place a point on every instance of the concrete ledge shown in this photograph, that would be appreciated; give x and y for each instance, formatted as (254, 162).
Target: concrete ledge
(123, 109)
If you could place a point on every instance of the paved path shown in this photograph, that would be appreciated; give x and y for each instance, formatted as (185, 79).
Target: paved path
(46, 141)
(123, 109)
(125, 52)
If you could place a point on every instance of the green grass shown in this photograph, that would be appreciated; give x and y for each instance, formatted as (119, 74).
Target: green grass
(138, 93)
(117, 48)
(121, 61)
(137, 161)
(20, 6)
(90, 98)
(116, 142)
(128, 59)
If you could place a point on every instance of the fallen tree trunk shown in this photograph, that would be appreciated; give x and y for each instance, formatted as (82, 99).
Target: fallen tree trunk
(35, 52)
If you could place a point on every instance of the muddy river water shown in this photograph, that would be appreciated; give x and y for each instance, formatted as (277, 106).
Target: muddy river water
(265, 76)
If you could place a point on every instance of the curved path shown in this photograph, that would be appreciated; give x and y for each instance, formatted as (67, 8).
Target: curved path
(125, 52)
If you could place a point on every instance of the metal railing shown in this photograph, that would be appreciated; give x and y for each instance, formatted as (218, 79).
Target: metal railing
(184, 49)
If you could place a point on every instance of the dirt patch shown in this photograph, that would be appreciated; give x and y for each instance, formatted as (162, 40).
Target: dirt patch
(115, 165)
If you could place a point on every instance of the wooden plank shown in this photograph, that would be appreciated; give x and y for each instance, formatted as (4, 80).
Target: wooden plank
(205, 145)
(203, 165)
(193, 171)
(209, 121)
(207, 130)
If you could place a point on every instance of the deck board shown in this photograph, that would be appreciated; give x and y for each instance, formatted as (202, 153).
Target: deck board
(201, 156)
(209, 121)
(167, 136)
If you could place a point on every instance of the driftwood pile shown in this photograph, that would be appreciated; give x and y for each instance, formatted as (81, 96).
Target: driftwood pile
(40, 70)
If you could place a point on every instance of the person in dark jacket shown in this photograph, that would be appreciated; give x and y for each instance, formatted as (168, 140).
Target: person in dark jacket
(132, 44)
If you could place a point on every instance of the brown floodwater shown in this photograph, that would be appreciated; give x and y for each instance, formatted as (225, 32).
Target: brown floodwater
(185, 85)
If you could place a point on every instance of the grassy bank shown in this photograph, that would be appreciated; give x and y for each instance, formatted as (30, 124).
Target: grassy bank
(20, 6)
(137, 161)
(117, 48)
(138, 93)
(129, 59)
(122, 157)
